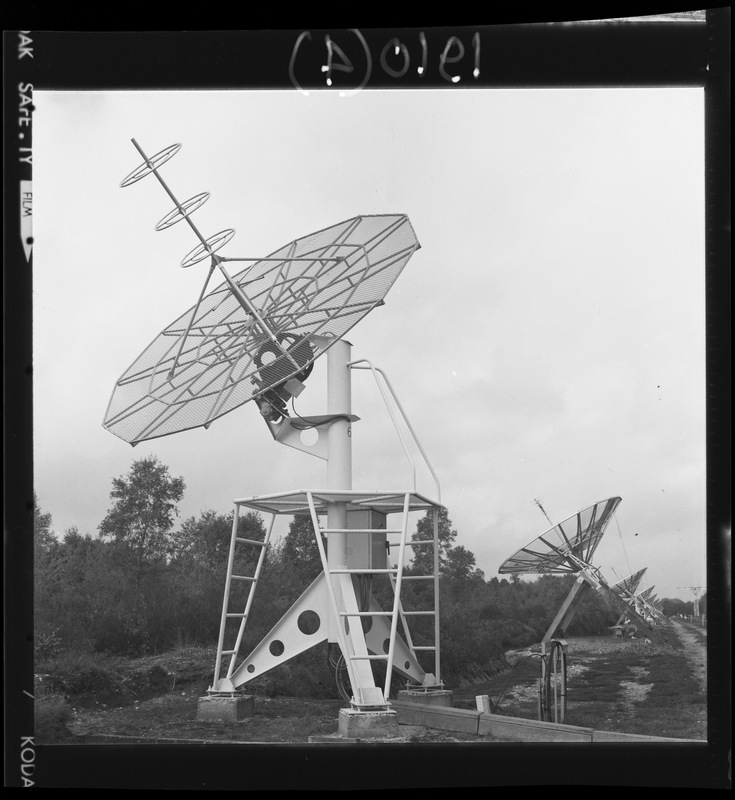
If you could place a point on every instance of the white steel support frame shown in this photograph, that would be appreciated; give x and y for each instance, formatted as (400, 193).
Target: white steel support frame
(334, 592)
(252, 580)
(590, 578)
(351, 642)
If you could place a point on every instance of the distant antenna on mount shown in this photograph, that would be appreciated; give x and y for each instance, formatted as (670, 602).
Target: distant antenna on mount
(256, 337)
(567, 548)
(627, 588)
(695, 591)
(629, 585)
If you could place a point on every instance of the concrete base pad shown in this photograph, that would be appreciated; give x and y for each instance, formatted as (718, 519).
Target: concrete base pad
(432, 697)
(227, 708)
(367, 724)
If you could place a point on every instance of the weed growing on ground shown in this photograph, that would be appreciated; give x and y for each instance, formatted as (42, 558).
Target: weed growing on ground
(52, 714)
(81, 672)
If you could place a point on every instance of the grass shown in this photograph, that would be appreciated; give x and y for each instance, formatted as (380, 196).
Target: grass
(632, 689)
(52, 714)
(76, 672)
(627, 690)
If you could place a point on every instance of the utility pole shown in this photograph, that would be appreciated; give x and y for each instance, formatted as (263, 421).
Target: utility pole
(695, 590)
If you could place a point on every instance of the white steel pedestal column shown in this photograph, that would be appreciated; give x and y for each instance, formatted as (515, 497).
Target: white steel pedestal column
(339, 476)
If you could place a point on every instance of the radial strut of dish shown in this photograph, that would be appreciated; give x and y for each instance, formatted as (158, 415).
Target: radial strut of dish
(306, 296)
(566, 547)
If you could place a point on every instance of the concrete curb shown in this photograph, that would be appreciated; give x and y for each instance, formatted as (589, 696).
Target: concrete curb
(511, 728)
(441, 717)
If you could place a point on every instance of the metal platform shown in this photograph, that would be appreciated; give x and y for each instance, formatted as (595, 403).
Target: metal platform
(297, 502)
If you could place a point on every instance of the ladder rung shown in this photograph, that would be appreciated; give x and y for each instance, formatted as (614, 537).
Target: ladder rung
(236, 614)
(229, 652)
(361, 530)
(426, 647)
(366, 613)
(249, 541)
(241, 578)
(417, 577)
(418, 613)
(369, 658)
(362, 571)
(411, 544)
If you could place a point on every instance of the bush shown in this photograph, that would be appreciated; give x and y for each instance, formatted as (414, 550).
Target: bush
(306, 675)
(78, 671)
(46, 645)
(52, 715)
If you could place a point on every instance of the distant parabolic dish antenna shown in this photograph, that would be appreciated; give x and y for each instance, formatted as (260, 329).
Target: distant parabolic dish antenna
(629, 586)
(568, 548)
(256, 337)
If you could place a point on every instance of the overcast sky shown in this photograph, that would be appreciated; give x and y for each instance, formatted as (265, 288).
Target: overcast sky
(547, 341)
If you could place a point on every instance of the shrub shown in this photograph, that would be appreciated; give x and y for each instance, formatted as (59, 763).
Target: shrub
(78, 671)
(52, 715)
(306, 675)
(46, 645)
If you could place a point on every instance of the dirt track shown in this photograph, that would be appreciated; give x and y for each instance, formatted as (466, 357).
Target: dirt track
(695, 651)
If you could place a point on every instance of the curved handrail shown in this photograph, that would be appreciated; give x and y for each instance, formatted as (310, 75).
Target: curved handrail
(375, 371)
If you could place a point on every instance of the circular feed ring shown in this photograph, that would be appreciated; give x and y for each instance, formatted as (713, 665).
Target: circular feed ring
(566, 547)
(212, 245)
(184, 210)
(154, 162)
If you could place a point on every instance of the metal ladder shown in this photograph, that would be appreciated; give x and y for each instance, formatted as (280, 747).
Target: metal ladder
(396, 577)
(219, 684)
(434, 612)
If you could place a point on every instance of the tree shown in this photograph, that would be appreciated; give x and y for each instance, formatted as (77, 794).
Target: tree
(205, 540)
(423, 556)
(43, 536)
(144, 509)
(672, 607)
(198, 570)
(45, 581)
(460, 565)
(300, 551)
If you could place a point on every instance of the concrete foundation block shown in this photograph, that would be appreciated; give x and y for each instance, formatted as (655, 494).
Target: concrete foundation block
(432, 697)
(354, 724)
(214, 708)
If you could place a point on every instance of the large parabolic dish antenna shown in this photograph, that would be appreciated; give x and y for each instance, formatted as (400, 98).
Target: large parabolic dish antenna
(261, 327)
(566, 547)
(219, 355)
